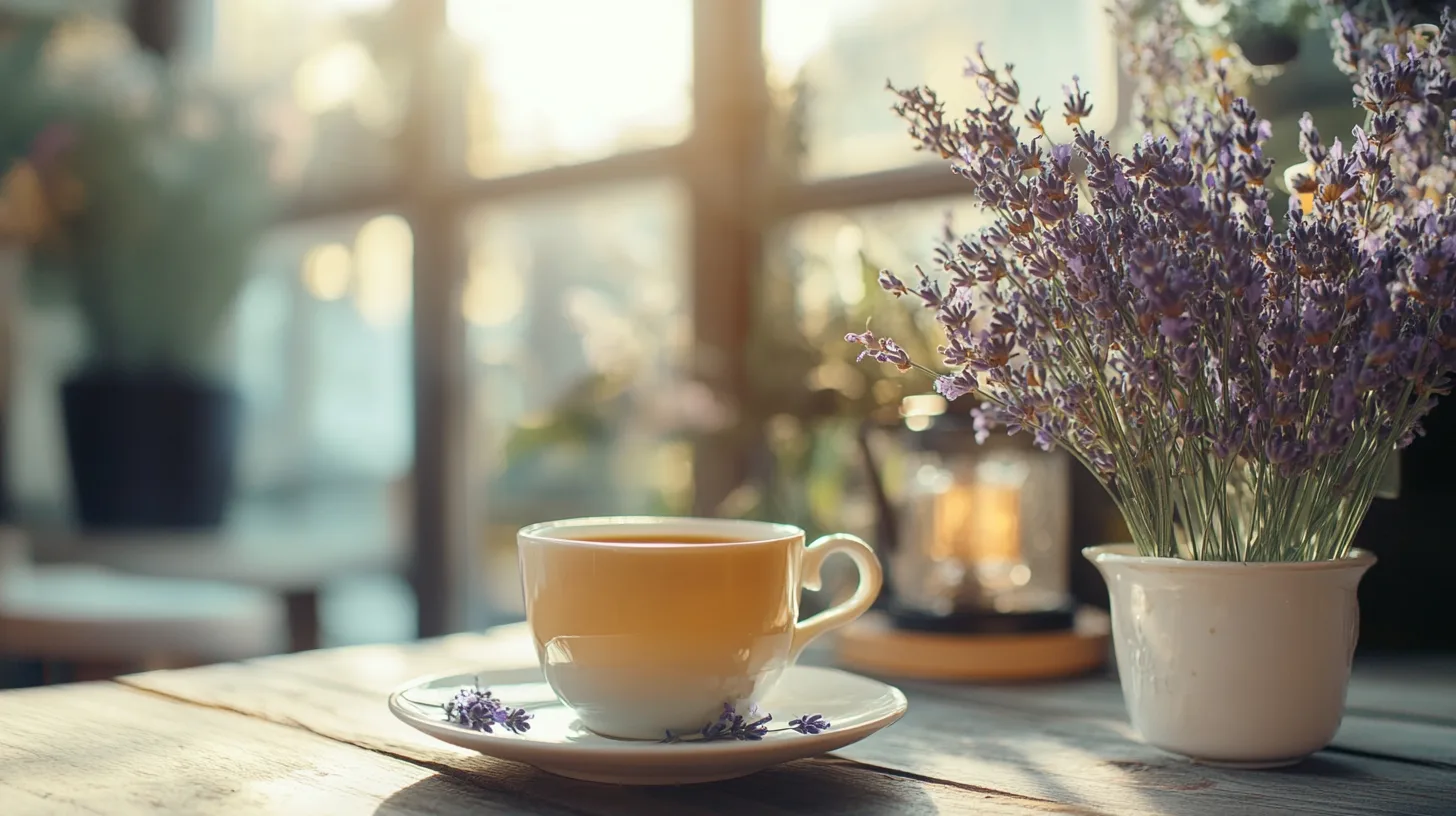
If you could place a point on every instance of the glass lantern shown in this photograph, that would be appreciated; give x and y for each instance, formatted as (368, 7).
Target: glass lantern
(974, 537)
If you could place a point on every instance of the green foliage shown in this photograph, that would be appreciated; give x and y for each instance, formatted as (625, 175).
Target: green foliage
(173, 195)
(27, 108)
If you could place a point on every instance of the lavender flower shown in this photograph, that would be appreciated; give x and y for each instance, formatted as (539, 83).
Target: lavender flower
(885, 351)
(809, 724)
(1237, 388)
(480, 710)
(750, 727)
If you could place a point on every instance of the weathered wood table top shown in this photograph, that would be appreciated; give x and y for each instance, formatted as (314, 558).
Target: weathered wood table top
(310, 734)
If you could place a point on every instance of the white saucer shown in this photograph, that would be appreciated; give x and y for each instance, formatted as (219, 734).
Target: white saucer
(855, 706)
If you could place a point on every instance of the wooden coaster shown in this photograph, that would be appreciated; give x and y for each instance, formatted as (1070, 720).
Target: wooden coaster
(873, 645)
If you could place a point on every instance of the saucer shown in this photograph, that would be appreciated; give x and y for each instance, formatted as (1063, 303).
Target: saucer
(558, 743)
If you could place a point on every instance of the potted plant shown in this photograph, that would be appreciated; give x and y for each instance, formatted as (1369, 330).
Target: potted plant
(161, 191)
(1238, 387)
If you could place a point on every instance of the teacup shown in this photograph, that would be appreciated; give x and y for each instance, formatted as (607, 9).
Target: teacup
(646, 625)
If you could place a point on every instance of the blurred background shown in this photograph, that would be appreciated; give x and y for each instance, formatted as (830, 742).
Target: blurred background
(388, 279)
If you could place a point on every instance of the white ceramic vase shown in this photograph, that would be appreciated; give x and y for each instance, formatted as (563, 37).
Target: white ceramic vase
(1233, 664)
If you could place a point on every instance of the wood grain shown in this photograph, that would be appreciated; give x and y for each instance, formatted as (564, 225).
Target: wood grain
(343, 711)
(108, 749)
(1031, 746)
(311, 731)
(1095, 760)
(1088, 762)
(1420, 688)
(105, 749)
(1395, 729)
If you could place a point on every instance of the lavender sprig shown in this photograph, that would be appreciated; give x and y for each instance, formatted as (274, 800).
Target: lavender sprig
(809, 724)
(751, 727)
(481, 710)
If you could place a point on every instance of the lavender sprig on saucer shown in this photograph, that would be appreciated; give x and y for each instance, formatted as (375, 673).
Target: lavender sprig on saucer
(751, 727)
(482, 711)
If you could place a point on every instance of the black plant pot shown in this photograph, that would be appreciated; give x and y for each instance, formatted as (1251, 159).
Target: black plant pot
(150, 450)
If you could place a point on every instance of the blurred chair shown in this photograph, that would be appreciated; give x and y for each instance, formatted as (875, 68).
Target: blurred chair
(94, 622)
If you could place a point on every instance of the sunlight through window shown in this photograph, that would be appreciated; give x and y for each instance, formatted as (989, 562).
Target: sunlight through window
(561, 80)
(835, 55)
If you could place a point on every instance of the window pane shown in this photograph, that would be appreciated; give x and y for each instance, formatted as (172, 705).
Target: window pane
(827, 265)
(579, 326)
(810, 392)
(838, 53)
(327, 78)
(323, 357)
(560, 81)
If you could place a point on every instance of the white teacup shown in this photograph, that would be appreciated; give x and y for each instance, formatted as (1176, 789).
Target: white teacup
(646, 625)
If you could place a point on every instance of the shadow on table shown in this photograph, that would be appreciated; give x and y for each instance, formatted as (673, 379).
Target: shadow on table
(439, 794)
(807, 786)
(1084, 754)
(1151, 781)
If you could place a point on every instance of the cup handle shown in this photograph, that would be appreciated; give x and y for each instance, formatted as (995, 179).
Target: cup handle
(871, 577)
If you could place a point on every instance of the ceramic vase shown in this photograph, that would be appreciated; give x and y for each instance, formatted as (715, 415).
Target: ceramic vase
(1237, 664)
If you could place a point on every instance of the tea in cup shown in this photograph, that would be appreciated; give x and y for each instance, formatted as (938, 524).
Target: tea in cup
(649, 625)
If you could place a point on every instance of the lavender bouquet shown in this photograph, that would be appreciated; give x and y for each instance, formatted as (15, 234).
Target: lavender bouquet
(1237, 388)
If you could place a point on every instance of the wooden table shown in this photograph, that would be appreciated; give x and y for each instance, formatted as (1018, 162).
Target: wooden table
(309, 734)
